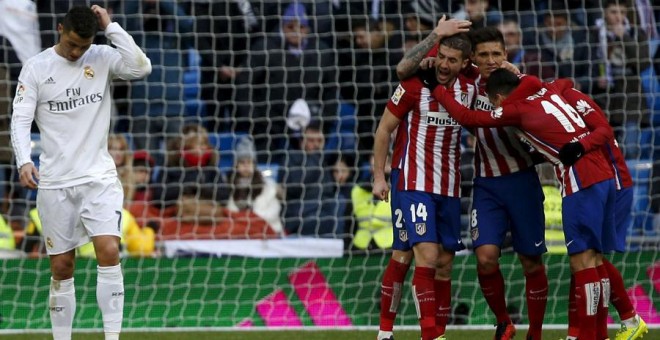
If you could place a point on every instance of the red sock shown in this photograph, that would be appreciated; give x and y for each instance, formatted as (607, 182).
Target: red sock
(424, 295)
(573, 322)
(536, 287)
(603, 304)
(587, 295)
(443, 303)
(390, 293)
(618, 295)
(492, 287)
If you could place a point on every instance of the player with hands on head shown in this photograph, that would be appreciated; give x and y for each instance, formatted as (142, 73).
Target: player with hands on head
(65, 90)
(425, 191)
(547, 123)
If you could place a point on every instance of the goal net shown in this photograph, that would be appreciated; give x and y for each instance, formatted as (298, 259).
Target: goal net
(245, 158)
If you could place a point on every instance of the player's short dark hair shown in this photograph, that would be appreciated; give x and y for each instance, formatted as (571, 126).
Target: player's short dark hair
(459, 42)
(608, 3)
(82, 21)
(502, 81)
(485, 35)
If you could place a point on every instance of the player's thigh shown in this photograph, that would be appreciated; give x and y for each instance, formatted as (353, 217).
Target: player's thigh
(586, 218)
(524, 203)
(448, 210)
(419, 216)
(101, 211)
(59, 212)
(622, 216)
(488, 218)
(400, 234)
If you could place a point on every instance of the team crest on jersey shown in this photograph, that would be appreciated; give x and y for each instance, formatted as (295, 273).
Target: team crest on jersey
(465, 99)
(49, 242)
(474, 233)
(403, 235)
(88, 72)
(396, 97)
(497, 113)
(420, 228)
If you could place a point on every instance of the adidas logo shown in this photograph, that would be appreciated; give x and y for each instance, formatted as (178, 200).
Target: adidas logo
(50, 80)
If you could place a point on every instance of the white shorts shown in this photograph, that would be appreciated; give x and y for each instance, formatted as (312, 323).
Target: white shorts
(71, 216)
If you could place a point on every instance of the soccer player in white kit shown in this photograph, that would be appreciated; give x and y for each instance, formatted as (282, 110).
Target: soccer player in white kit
(66, 90)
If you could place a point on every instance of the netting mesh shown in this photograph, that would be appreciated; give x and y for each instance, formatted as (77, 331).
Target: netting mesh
(257, 123)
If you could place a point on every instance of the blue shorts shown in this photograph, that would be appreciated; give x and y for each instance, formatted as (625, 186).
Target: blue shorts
(588, 218)
(426, 217)
(509, 203)
(622, 216)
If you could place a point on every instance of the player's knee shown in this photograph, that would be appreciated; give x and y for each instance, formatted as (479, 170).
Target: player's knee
(62, 268)
(107, 254)
(530, 264)
(487, 262)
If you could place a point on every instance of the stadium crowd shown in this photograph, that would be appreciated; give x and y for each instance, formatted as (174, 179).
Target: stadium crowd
(258, 118)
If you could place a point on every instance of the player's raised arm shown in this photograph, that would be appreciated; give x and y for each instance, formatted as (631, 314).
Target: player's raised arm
(411, 60)
(132, 63)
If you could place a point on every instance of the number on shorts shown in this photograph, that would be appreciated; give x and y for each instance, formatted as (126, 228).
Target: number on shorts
(399, 218)
(419, 212)
(118, 219)
(473, 218)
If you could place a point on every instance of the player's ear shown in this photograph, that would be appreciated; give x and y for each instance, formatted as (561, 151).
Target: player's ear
(60, 28)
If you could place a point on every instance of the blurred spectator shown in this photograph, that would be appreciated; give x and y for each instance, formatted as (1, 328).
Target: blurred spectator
(554, 232)
(480, 13)
(222, 29)
(19, 40)
(310, 207)
(155, 109)
(368, 85)
(513, 41)
(250, 190)
(142, 165)
(421, 16)
(121, 154)
(135, 240)
(191, 180)
(559, 50)
(374, 217)
(523, 12)
(7, 242)
(281, 69)
(623, 49)
(343, 167)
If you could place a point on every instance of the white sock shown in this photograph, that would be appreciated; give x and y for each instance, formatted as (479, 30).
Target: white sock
(383, 335)
(62, 305)
(632, 322)
(110, 297)
(571, 338)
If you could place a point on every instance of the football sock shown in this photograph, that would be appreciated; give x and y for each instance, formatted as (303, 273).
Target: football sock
(536, 287)
(443, 303)
(573, 323)
(110, 297)
(587, 296)
(424, 296)
(618, 295)
(390, 293)
(62, 306)
(492, 287)
(603, 304)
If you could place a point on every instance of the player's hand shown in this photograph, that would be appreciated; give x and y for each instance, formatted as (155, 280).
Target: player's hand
(29, 175)
(427, 63)
(102, 16)
(428, 78)
(450, 27)
(511, 67)
(570, 153)
(381, 189)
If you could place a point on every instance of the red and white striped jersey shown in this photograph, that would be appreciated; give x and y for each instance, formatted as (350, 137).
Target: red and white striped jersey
(427, 146)
(548, 123)
(499, 150)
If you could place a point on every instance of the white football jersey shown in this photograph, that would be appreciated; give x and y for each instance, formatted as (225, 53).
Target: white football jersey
(71, 104)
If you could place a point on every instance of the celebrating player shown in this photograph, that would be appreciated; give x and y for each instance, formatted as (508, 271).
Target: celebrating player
(65, 89)
(558, 132)
(425, 189)
(632, 325)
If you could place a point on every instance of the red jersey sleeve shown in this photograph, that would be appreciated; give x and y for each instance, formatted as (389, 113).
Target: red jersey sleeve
(592, 115)
(471, 118)
(403, 99)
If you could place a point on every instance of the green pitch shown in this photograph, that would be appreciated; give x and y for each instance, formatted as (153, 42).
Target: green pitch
(307, 335)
